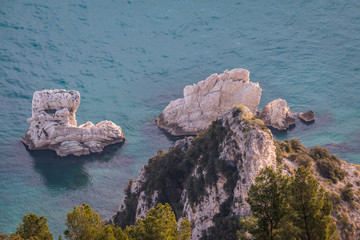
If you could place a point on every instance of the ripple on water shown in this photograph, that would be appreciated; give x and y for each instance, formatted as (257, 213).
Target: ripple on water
(130, 59)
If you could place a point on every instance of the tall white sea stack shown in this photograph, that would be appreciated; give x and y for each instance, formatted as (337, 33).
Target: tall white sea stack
(209, 99)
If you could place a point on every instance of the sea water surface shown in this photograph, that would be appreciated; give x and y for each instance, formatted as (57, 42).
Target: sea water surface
(129, 59)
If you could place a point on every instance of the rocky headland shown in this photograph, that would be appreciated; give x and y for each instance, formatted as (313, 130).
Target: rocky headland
(206, 178)
(53, 126)
(200, 176)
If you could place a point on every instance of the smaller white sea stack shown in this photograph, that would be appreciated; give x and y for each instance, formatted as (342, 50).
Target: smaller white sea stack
(277, 114)
(53, 126)
(209, 99)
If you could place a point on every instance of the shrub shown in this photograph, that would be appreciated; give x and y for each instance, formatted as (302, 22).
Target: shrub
(330, 169)
(293, 149)
(329, 166)
(297, 146)
(347, 194)
(318, 152)
(303, 160)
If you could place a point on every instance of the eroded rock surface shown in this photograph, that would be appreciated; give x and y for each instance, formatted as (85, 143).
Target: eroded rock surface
(207, 100)
(200, 177)
(53, 126)
(277, 114)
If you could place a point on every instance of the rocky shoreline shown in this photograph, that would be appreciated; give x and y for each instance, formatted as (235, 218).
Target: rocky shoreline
(209, 99)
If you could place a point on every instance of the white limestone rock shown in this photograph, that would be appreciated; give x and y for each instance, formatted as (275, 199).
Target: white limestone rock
(248, 146)
(277, 114)
(207, 100)
(53, 126)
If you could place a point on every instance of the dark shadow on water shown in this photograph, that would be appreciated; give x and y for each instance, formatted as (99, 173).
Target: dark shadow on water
(351, 145)
(170, 137)
(67, 172)
(152, 128)
(321, 121)
(281, 133)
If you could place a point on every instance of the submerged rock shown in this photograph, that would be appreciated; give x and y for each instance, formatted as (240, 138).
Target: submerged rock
(277, 114)
(207, 100)
(53, 126)
(307, 117)
(204, 176)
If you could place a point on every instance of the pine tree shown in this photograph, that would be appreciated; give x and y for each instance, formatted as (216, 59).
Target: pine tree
(33, 226)
(160, 224)
(267, 199)
(311, 207)
(83, 224)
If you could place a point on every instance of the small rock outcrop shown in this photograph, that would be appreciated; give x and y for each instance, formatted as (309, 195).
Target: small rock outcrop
(207, 100)
(205, 177)
(53, 126)
(277, 114)
(307, 117)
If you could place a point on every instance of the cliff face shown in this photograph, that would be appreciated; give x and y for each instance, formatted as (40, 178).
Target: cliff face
(53, 126)
(207, 100)
(205, 178)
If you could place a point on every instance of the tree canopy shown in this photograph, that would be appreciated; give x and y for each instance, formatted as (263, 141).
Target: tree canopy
(288, 208)
(83, 223)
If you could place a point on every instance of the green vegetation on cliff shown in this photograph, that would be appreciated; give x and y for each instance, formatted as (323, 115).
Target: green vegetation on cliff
(288, 208)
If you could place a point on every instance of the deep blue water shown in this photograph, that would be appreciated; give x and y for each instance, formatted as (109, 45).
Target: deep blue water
(129, 59)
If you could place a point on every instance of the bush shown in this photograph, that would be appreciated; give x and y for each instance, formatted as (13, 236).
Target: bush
(329, 166)
(293, 150)
(347, 194)
(330, 169)
(318, 152)
(297, 146)
(303, 160)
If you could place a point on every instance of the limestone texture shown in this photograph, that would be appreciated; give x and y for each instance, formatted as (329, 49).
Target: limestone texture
(53, 126)
(206, 178)
(236, 142)
(277, 114)
(207, 100)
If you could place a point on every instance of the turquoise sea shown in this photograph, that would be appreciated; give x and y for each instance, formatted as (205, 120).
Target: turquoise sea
(129, 59)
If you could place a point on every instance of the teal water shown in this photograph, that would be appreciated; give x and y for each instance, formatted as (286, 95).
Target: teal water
(129, 59)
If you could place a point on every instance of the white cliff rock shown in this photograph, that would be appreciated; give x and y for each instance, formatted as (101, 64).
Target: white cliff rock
(277, 114)
(246, 147)
(207, 100)
(53, 126)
